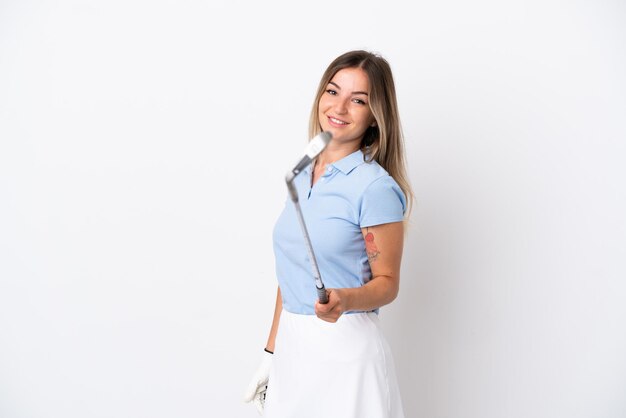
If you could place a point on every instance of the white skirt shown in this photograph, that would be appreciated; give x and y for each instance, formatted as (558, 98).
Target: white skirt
(340, 370)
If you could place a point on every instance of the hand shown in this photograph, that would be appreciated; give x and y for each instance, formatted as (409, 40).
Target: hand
(258, 385)
(335, 307)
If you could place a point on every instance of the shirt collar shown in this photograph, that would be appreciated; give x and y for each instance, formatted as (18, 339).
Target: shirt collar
(350, 162)
(347, 163)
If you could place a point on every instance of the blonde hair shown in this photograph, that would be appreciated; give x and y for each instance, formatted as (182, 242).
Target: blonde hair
(384, 142)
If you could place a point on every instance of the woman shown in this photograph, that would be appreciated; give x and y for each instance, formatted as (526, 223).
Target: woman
(331, 359)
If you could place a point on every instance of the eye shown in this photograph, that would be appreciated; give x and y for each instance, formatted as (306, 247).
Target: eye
(359, 101)
(332, 92)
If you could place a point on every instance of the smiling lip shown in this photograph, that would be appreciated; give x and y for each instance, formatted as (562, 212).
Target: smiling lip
(336, 122)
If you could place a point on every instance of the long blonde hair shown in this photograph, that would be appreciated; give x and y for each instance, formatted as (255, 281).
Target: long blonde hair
(384, 142)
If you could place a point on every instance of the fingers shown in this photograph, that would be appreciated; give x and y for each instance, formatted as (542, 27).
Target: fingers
(251, 390)
(332, 310)
(255, 387)
(326, 307)
(259, 398)
(258, 403)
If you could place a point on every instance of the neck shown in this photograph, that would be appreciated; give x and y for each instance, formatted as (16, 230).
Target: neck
(335, 152)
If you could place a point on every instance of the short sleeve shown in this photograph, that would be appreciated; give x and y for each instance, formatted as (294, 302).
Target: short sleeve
(383, 202)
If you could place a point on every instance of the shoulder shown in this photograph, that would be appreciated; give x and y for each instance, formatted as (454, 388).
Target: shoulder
(381, 200)
(369, 173)
(373, 179)
(380, 184)
(366, 183)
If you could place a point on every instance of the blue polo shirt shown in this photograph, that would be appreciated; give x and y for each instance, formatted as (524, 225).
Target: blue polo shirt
(351, 194)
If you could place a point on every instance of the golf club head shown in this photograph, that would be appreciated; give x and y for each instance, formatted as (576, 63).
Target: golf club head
(315, 146)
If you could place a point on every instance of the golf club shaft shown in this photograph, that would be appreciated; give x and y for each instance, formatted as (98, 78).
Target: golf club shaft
(314, 148)
(321, 290)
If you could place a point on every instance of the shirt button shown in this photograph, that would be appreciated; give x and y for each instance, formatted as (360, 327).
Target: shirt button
(330, 169)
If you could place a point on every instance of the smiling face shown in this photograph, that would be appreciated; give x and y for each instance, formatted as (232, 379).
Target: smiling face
(344, 107)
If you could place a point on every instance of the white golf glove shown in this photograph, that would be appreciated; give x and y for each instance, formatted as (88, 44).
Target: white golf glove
(258, 385)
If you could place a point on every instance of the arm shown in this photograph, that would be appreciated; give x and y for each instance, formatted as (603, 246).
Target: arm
(384, 244)
(277, 311)
(257, 387)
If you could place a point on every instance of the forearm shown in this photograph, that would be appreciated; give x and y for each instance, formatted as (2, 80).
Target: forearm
(378, 292)
(277, 311)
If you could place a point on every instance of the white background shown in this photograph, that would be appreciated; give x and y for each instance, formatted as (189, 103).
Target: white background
(142, 151)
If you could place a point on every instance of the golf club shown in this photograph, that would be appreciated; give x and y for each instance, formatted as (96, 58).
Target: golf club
(313, 149)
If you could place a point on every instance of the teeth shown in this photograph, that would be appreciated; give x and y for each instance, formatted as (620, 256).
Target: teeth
(338, 121)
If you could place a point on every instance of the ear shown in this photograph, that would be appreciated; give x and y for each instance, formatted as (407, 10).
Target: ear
(373, 124)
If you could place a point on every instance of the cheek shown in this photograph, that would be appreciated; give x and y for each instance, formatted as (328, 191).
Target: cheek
(366, 117)
(323, 104)
(320, 112)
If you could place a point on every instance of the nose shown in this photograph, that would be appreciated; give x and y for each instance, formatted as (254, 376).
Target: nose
(341, 106)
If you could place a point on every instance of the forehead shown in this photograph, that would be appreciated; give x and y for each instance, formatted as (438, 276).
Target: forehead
(352, 79)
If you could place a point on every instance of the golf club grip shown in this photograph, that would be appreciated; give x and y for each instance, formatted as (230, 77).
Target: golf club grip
(322, 295)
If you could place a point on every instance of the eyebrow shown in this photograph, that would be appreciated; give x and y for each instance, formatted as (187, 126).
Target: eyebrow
(354, 92)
